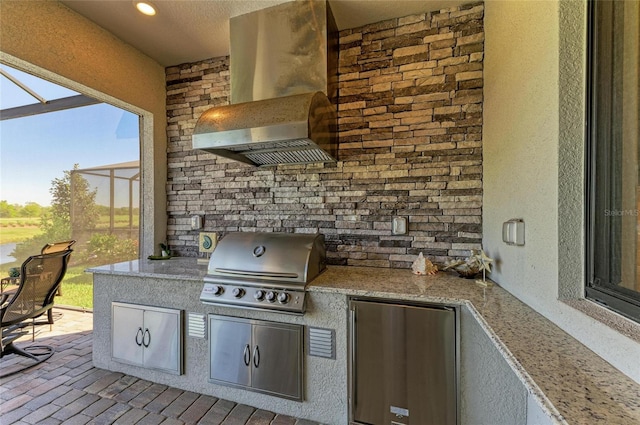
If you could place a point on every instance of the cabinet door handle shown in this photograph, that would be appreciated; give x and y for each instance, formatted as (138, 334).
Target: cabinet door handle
(256, 356)
(139, 337)
(352, 342)
(146, 338)
(247, 355)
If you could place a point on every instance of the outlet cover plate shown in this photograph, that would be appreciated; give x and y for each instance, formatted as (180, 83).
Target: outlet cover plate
(399, 226)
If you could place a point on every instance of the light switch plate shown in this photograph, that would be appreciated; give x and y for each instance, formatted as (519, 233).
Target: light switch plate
(513, 232)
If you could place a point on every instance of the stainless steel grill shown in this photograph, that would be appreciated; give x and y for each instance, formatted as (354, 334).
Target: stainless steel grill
(264, 270)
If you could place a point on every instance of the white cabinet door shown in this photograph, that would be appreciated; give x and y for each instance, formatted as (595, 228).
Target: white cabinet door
(161, 339)
(127, 333)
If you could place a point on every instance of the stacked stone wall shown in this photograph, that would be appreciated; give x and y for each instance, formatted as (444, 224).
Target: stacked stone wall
(410, 145)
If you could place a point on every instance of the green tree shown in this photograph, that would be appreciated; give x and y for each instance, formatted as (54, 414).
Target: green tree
(31, 209)
(74, 203)
(59, 222)
(7, 210)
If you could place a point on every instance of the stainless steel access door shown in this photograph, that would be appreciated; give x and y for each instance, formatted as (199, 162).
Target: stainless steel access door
(147, 336)
(403, 364)
(230, 358)
(126, 333)
(256, 354)
(277, 360)
(162, 339)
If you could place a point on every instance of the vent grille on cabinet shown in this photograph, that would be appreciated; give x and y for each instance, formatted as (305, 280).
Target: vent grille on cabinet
(322, 342)
(196, 325)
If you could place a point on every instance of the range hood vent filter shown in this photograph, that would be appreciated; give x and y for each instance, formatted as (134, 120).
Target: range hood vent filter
(289, 157)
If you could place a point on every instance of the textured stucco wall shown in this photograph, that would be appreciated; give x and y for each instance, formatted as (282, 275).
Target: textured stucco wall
(571, 150)
(535, 414)
(533, 166)
(50, 40)
(490, 392)
(325, 382)
(521, 134)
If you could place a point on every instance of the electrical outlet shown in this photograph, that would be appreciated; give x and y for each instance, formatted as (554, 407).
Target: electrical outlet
(399, 226)
(196, 222)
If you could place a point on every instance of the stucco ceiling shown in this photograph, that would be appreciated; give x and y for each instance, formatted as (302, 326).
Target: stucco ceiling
(191, 30)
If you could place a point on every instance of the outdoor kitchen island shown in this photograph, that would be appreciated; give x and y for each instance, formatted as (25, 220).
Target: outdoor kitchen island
(515, 365)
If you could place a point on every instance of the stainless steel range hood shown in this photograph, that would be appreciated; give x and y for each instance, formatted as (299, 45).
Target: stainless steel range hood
(283, 65)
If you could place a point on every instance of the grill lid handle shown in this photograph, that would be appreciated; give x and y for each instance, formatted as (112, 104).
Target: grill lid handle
(257, 274)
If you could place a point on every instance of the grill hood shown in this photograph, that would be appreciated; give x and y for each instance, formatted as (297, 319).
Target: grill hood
(283, 66)
(282, 258)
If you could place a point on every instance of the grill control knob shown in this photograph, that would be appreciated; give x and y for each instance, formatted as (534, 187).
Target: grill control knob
(217, 290)
(271, 296)
(283, 297)
(238, 292)
(259, 295)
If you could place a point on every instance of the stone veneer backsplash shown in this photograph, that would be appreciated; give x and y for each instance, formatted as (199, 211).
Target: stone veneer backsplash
(410, 145)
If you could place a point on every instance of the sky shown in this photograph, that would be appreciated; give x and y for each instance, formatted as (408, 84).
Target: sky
(38, 149)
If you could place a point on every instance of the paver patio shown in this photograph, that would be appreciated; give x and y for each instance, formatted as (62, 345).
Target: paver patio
(67, 389)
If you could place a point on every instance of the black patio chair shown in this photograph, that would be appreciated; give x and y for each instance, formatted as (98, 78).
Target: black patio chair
(50, 248)
(40, 278)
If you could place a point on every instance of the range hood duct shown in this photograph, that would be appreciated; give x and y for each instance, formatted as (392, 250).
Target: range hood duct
(283, 66)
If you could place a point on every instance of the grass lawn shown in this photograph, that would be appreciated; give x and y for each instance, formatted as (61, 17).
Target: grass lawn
(19, 221)
(18, 229)
(121, 221)
(77, 288)
(22, 228)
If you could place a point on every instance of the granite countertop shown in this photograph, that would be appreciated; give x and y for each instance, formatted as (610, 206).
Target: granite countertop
(571, 383)
(178, 268)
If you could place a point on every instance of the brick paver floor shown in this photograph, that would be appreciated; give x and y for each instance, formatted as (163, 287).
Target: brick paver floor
(67, 389)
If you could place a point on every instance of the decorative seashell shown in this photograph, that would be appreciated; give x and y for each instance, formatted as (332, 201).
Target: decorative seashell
(431, 268)
(452, 264)
(467, 270)
(422, 266)
(419, 266)
(471, 266)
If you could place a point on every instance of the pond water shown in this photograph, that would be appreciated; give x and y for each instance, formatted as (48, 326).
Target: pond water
(5, 253)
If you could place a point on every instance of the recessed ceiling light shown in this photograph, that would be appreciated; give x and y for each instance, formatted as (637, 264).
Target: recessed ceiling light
(145, 8)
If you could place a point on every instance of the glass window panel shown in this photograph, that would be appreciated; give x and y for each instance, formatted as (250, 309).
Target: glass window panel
(613, 167)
